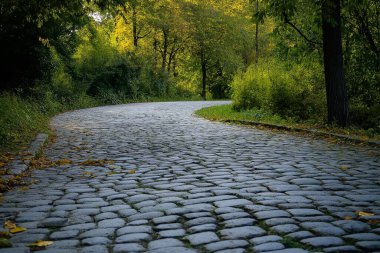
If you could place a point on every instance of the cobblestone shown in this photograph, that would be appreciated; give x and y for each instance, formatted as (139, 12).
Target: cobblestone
(183, 184)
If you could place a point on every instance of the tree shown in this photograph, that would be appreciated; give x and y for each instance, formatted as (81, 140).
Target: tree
(337, 103)
(215, 43)
(27, 27)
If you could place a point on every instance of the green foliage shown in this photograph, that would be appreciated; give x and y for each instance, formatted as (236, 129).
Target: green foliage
(22, 118)
(27, 28)
(251, 89)
(19, 119)
(287, 90)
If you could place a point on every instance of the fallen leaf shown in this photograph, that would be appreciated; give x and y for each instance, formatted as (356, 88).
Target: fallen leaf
(2, 164)
(344, 167)
(131, 171)
(17, 230)
(111, 173)
(347, 217)
(40, 244)
(63, 162)
(24, 188)
(362, 214)
(9, 224)
(90, 162)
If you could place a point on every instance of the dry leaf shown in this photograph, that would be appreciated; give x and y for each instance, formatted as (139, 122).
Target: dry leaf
(63, 162)
(2, 164)
(344, 167)
(131, 171)
(96, 162)
(17, 230)
(9, 224)
(347, 217)
(24, 188)
(111, 173)
(40, 244)
(362, 214)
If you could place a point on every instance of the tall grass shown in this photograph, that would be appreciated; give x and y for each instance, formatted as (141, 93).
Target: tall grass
(22, 118)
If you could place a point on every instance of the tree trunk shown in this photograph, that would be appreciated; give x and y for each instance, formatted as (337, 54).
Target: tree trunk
(175, 73)
(165, 34)
(155, 48)
(134, 26)
(257, 36)
(204, 74)
(337, 102)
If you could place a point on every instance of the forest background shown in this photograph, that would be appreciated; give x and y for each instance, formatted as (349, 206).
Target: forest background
(268, 56)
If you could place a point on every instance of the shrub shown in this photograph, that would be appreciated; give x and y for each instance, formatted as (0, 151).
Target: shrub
(294, 91)
(251, 89)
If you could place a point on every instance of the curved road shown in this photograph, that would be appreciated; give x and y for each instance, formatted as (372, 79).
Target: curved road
(184, 184)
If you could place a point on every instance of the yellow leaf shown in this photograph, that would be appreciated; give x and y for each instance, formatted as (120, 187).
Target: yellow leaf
(2, 164)
(348, 218)
(131, 171)
(361, 213)
(344, 167)
(40, 243)
(17, 230)
(111, 173)
(9, 224)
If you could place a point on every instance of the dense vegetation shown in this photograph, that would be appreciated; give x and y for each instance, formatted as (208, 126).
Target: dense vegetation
(302, 77)
(265, 54)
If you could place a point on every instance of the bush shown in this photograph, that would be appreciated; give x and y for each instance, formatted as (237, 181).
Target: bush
(251, 89)
(363, 116)
(294, 91)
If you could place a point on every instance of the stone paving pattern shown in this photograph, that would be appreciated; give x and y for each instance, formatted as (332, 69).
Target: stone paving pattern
(199, 186)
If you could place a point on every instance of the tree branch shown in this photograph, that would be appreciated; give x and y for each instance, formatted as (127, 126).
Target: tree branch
(312, 43)
(363, 24)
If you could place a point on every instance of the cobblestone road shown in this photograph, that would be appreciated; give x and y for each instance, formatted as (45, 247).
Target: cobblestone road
(198, 186)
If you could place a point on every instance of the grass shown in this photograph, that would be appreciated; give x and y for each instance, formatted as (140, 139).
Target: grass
(20, 120)
(226, 112)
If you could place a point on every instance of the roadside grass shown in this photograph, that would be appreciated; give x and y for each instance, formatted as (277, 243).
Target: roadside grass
(20, 120)
(227, 113)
